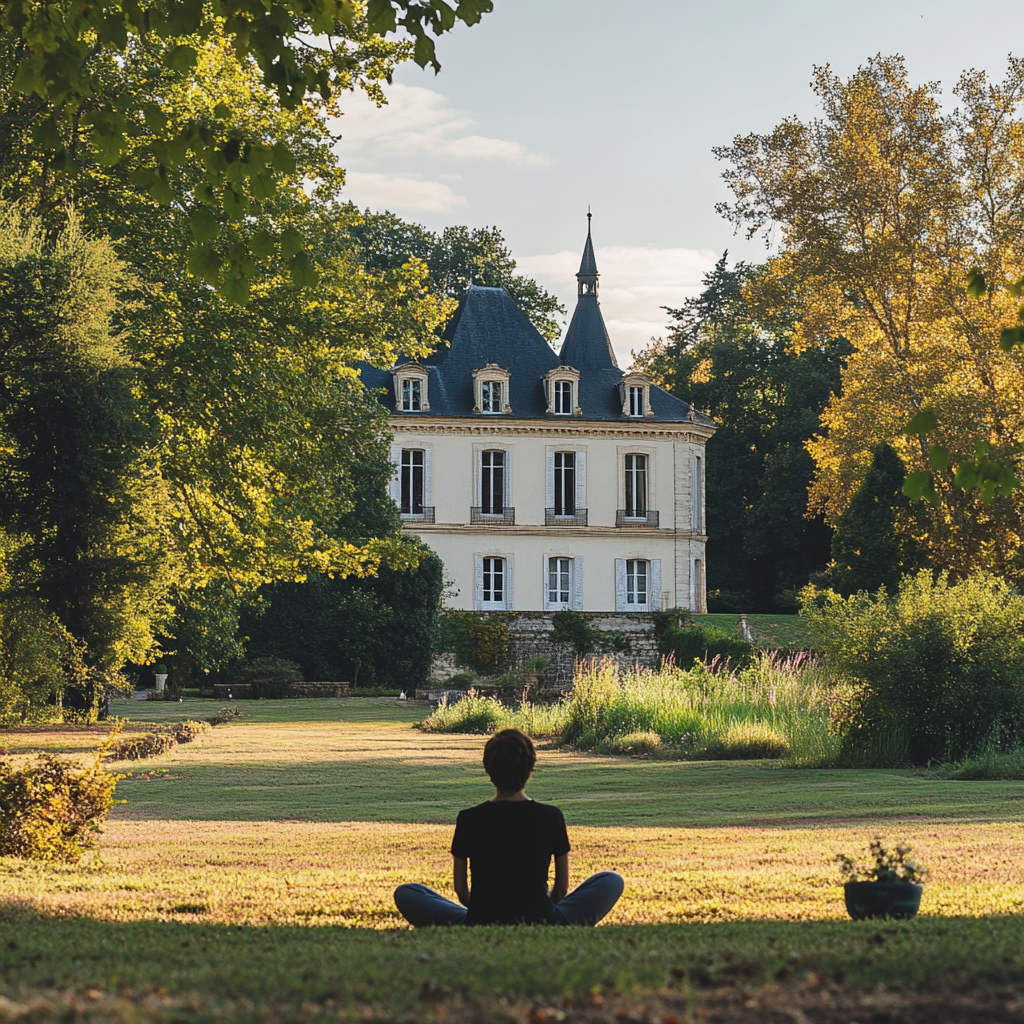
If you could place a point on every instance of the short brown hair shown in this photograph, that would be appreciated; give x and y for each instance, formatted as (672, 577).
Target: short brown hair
(509, 758)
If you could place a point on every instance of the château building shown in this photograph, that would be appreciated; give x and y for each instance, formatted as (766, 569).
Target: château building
(547, 481)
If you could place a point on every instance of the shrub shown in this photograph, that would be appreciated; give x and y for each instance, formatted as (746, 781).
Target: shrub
(537, 665)
(53, 809)
(478, 642)
(991, 765)
(150, 744)
(574, 628)
(224, 716)
(697, 642)
(746, 741)
(267, 677)
(471, 713)
(460, 681)
(635, 743)
(931, 673)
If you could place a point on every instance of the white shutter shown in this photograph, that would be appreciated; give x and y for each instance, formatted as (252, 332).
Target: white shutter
(478, 582)
(544, 578)
(549, 486)
(506, 478)
(577, 583)
(428, 493)
(581, 480)
(396, 479)
(620, 585)
(654, 585)
(478, 457)
(695, 494)
(509, 603)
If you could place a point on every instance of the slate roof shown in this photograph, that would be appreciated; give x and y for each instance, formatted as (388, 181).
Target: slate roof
(489, 327)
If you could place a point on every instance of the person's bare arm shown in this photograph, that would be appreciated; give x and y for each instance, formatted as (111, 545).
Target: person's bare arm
(460, 876)
(561, 886)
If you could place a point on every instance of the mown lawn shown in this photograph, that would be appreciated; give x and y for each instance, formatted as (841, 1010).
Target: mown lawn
(769, 631)
(249, 874)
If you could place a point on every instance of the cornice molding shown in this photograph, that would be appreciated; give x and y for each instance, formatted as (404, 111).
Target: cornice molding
(633, 430)
(620, 533)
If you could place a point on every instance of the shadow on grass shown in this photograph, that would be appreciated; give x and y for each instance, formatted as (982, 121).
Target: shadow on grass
(395, 969)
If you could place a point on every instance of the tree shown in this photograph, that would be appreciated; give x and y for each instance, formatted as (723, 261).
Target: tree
(373, 631)
(306, 53)
(767, 400)
(883, 205)
(456, 258)
(91, 554)
(868, 549)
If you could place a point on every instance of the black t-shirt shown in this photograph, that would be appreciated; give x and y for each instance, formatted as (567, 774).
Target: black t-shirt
(509, 845)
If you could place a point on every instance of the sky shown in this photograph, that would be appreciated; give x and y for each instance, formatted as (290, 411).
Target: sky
(548, 106)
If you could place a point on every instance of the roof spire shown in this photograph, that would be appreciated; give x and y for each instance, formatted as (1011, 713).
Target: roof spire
(587, 345)
(587, 276)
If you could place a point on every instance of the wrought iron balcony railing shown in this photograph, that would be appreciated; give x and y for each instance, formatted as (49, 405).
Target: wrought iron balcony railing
(575, 518)
(426, 515)
(506, 517)
(624, 518)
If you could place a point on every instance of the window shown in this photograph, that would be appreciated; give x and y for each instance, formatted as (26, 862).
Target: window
(411, 387)
(492, 483)
(565, 483)
(412, 391)
(635, 391)
(493, 592)
(490, 396)
(559, 582)
(636, 582)
(412, 482)
(562, 391)
(636, 486)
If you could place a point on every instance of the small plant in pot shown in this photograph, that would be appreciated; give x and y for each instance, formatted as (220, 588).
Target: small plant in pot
(888, 885)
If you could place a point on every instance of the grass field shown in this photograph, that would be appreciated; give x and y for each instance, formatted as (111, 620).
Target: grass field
(769, 631)
(248, 876)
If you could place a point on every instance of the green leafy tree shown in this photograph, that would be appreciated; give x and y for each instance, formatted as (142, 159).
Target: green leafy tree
(767, 401)
(456, 258)
(94, 553)
(868, 550)
(306, 53)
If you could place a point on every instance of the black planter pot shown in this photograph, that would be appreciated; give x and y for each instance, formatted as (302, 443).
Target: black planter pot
(882, 899)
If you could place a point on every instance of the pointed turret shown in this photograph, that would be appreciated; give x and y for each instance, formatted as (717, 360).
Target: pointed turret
(587, 345)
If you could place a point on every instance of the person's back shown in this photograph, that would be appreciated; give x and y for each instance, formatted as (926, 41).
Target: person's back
(509, 842)
(509, 845)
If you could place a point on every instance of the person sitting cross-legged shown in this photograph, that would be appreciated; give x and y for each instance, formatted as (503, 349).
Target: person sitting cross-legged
(508, 842)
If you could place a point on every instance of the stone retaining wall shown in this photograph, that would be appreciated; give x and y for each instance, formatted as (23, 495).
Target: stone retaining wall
(529, 637)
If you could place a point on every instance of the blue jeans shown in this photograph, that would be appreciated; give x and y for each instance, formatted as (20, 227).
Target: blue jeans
(585, 905)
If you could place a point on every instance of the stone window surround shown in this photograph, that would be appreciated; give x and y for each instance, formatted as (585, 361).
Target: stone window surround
(575, 582)
(479, 447)
(636, 380)
(411, 371)
(397, 448)
(580, 451)
(491, 372)
(622, 451)
(562, 373)
(508, 597)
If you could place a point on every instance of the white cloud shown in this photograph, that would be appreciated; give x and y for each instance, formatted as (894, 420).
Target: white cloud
(400, 192)
(636, 281)
(418, 122)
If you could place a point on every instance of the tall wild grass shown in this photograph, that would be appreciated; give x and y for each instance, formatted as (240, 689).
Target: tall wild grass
(776, 707)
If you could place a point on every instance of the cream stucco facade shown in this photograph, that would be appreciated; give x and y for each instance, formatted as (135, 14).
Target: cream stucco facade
(674, 460)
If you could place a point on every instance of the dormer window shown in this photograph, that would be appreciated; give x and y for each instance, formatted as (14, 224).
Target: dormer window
(636, 401)
(490, 390)
(412, 396)
(411, 388)
(490, 396)
(636, 396)
(562, 391)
